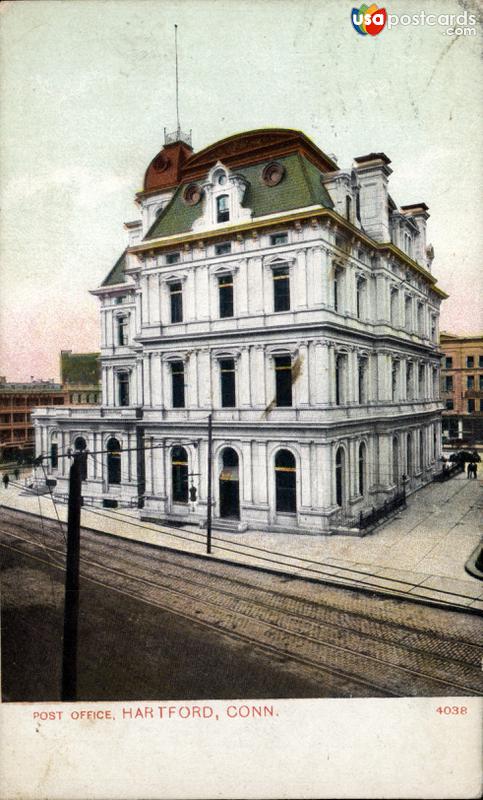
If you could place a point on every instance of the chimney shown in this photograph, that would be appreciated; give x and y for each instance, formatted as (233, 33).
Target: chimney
(373, 171)
(419, 213)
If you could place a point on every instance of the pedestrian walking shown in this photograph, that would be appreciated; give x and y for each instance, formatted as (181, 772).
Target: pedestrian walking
(16, 473)
(5, 479)
(469, 470)
(474, 469)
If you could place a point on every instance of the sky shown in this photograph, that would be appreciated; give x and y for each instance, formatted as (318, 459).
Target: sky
(87, 88)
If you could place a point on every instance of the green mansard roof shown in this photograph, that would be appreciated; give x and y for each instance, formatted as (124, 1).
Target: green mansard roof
(300, 187)
(116, 275)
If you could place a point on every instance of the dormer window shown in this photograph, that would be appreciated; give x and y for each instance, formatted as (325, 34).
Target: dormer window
(222, 208)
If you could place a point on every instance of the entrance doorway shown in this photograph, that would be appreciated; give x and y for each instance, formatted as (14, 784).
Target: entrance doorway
(229, 485)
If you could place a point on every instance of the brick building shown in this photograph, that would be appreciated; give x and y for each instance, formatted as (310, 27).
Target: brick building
(462, 387)
(17, 401)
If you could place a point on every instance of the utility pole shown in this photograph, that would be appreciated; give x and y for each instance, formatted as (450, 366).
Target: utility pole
(208, 518)
(71, 600)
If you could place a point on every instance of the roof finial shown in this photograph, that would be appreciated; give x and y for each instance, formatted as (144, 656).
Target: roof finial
(178, 135)
(177, 81)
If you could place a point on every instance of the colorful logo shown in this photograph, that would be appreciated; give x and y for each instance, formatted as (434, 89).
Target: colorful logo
(368, 19)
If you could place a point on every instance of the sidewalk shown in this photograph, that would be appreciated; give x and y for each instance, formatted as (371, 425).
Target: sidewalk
(420, 554)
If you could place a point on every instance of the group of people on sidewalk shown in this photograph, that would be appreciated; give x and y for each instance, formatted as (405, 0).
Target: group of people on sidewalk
(472, 469)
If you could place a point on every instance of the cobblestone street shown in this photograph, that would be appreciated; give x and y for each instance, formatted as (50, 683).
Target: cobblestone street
(298, 638)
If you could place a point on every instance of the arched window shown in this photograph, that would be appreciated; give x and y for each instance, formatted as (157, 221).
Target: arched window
(179, 474)
(229, 485)
(362, 468)
(80, 445)
(285, 482)
(409, 455)
(395, 460)
(339, 477)
(222, 209)
(113, 461)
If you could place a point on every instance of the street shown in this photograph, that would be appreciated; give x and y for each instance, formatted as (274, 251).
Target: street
(154, 623)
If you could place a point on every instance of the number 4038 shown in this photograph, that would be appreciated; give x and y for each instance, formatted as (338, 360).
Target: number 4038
(452, 710)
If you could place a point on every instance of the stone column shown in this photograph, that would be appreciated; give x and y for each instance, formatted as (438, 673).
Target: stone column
(111, 391)
(382, 312)
(323, 483)
(241, 289)
(156, 380)
(259, 470)
(244, 378)
(305, 477)
(301, 386)
(300, 279)
(257, 374)
(204, 378)
(246, 477)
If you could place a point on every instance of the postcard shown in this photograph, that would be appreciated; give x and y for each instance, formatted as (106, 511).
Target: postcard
(241, 400)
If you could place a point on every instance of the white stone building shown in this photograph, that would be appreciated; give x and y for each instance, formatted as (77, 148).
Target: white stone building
(292, 299)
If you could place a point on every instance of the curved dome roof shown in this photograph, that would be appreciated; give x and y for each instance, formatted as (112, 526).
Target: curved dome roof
(176, 162)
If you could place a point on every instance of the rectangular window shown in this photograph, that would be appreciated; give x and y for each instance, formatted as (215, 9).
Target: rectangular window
(471, 406)
(448, 362)
(278, 238)
(481, 405)
(470, 382)
(222, 249)
(123, 385)
(227, 371)
(408, 306)
(470, 362)
(222, 208)
(283, 380)
(177, 380)
(420, 319)
(448, 383)
(421, 387)
(281, 289)
(172, 258)
(480, 383)
(449, 405)
(54, 456)
(122, 331)
(176, 295)
(409, 382)
(480, 362)
(225, 293)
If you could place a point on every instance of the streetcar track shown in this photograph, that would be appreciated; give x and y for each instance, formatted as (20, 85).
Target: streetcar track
(306, 617)
(133, 546)
(226, 631)
(257, 620)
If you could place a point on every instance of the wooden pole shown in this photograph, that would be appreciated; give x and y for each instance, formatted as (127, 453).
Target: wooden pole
(210, 469)
(71, 601)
